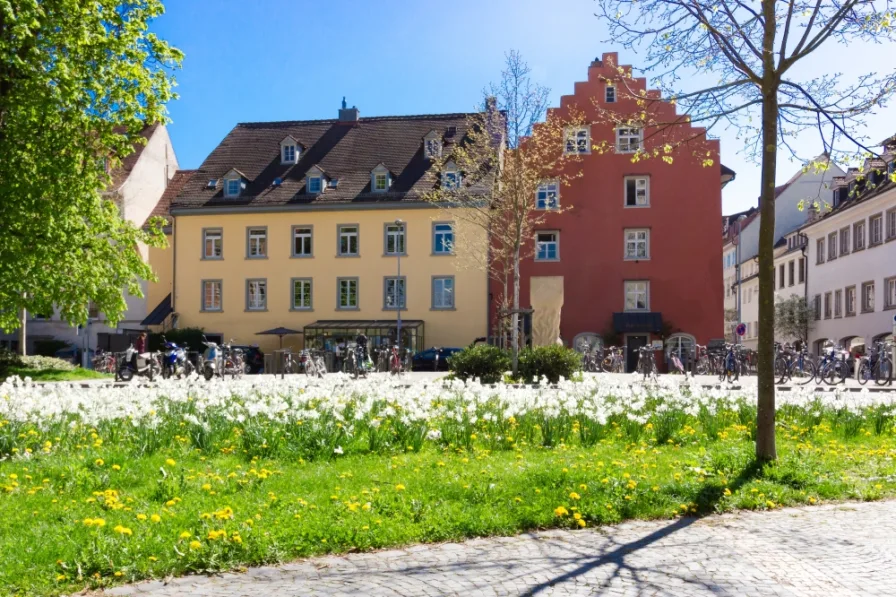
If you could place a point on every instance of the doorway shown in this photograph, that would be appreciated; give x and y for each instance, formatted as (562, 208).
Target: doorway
(632, 344)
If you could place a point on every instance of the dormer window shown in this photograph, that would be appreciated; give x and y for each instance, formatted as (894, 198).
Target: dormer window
(380, 179)
(234, 183)
(432, 145)
(315, 184)
(315, 181)
(451, 178)
(290, 151)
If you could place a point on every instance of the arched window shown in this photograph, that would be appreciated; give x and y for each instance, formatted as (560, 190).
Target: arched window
(587, 341)
(681, 345)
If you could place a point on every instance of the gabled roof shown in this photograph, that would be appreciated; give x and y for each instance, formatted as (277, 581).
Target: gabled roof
(175, 185)
(345, 151)
(120, 175)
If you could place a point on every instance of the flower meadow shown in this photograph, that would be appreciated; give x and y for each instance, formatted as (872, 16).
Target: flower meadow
(105, 485)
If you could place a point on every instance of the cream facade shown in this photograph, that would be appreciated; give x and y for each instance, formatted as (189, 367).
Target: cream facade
(304, 274)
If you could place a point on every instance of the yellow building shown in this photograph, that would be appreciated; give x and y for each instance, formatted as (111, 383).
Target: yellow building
(303, 224)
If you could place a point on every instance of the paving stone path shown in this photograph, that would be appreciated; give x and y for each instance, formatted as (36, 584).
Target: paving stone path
(835, 550)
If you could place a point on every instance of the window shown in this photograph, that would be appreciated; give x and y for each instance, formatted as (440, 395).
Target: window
(547, 195)
(637, 244)
(432, 148)
(827, 305)
(394, 293)
(213, 244)
(315, 184)
(211, 295)
(819, 251)
(380, 182)
(637, 296)
(256, 295)
(858, 236)
(547, 246)
(92, 311)
(348, 241)
(302, 241)
(875, 223)
(628, 139)
(791, 267)
(257, 243)
(301, 294)
(802, 275)
(890, 293)
(850, 301)
(232, 187)
(611, 94)
(844, 241)
(867, 297)
(347, 293)
(637, 193)
(443, 239)
(817, 307)
(832, 246)
(891, 224)
(289, 154)
(838, 300)
(395, 241)
(443, 292)
(781, 276)
(578, 140)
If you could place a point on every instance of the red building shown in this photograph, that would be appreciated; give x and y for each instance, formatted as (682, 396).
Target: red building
(636, 257)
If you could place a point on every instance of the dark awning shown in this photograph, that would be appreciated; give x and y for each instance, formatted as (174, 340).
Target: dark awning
(158, 315)
(628, 323)
(350, 324)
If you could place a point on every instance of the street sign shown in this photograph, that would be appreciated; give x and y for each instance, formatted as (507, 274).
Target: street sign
(741, 329)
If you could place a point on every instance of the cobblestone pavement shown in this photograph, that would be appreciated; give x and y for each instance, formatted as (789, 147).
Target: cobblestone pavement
(836, 550)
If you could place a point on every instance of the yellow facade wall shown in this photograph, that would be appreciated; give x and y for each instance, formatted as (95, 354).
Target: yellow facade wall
(162, 262)
(458, 327)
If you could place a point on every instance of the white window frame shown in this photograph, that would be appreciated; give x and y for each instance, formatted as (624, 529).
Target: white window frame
(257, 294)
(629, 138)
(838, 304)
(352, 288)
(219, 294)
(845, 238)
(446, 231)
(879, 220)
(635, 289)
(229, 190)
(890, 293)
(442, 287)
(257, 240)
(890, 224)
(849, 298)
(213, 234)
(868, 297)
(858, 235)
(380, 177)
(832, 245)
(819, 251)
(307, 288)
(389, 292)
(398, 235)
(547, 197)
(451, 177)
(344, 230)
(539, 244)
(303, 232)
(609, 91)
(635, 239)
(288, 154)
(578, 141)
(641, 183)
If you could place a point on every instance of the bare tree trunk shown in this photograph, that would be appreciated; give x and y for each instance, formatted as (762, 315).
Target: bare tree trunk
(765, 413)
(515, 332)
(23, 333)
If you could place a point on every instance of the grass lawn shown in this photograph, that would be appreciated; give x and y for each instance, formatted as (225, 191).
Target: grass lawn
(98, 514)
(39, 375)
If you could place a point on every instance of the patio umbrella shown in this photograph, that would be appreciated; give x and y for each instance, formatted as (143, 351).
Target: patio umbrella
(281, 331)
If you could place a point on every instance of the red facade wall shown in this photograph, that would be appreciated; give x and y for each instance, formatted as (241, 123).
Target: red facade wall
(685, 209)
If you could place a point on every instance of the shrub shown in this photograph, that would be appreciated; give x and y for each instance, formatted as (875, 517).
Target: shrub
(552, 362)
(38, 363)
(48, 348)
(484, 362)
(8, 359)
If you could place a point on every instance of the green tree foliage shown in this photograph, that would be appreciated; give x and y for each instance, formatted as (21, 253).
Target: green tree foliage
(794, 319)
(78, 81)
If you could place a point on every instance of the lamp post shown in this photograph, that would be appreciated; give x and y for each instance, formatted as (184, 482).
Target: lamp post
(398, 251)
(739, 222)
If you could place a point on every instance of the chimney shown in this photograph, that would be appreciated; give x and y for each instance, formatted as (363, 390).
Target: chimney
(348, 115)
(491, 103)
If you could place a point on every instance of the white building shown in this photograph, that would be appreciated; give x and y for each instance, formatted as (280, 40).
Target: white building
(136, 187)
(793, 199)
(852, 258)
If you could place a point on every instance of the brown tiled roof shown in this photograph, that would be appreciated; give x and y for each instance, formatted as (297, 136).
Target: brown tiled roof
(346, 151)
(175, 185)
(120, 174)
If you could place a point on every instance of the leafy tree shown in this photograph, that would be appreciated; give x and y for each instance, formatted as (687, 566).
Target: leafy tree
(794, 319)
(78, 82)
(758, 57)
(505, 156)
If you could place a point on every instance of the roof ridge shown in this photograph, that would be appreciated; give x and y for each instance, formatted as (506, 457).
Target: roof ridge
(446, 116)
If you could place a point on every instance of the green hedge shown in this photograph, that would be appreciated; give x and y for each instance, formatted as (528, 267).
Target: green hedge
(484, 362)
(552, 362)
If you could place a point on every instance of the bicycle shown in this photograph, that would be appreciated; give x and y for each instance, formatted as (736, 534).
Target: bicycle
(591, 361)
(614, 360)
(877, 365)
(646, 362)
(790, 365)
(833, 365)
(730, 364)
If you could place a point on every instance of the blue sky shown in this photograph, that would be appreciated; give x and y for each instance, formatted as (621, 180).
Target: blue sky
(295, 60)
